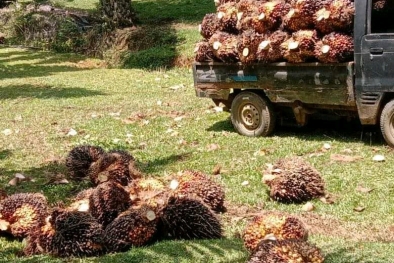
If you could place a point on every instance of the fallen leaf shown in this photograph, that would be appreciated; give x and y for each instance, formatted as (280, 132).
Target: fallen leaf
(20, 176)
(178, 118)
(72, 132)
(116, 140)
(142, 145)
(344, 158)
(347, 151)
(308, 207)
(18, 118)
(114, 114)
(7, 132)
(216, 169)
(213, 147)
(175, 133)
(359, 209)
(14, 181)
(261, 152)
(159, 103)
(379, 158)
(182, 142)
(218, 109)
(176, 87)
(326, 146)
(364, 190)
(245, 183)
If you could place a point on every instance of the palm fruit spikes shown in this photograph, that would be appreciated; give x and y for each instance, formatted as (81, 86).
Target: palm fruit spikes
(200, 185)
(134, 227)
(19, 213)
(270, 16)
(81, 200)
(209, 25)
(247, 10)
(224, 46)
(203, 52)
(300, 47)
(39, 239)
(107, 201)
(228, 16)
(188, 218)
(269, 49)
(247, 46)
(293, 180)
(300, 16)
(335, 48)
(80, 158)
(283, 251)
(273, 226)
(336, 16)
(76, 234)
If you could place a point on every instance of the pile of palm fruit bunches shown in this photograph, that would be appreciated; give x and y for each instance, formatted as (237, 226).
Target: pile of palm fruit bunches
(267, 31)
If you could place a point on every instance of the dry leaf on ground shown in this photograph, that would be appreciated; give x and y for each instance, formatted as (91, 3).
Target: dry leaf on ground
(363, 189)
(344, 158)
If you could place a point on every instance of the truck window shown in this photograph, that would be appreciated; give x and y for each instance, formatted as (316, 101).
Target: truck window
(382, 18)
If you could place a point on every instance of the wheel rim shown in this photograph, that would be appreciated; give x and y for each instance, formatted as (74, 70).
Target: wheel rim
(250, 116)
(391, 125)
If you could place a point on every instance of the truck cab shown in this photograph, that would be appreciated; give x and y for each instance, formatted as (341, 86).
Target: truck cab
(258, 94)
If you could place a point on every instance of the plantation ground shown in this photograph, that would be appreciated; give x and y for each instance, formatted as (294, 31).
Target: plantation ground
(156, 116)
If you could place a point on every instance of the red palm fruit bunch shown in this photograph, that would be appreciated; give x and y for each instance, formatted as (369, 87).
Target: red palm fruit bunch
(118, 166)
(300, 47)
(337, 15)
(224, 46)
(247, 10)
(145, 190)
(248, 43)
(284, 251)
(133, 228)
(39, 239)
(379, 4)
(184, 217)
(270, 16)
(76, 234)
(80, 158)
(20, 213)
(81, 201)
(300, 16)
(293, 180)
(270, 226)
(203, 52)
(209, 25)
(107, 201)
(227, 14)
(200, 185)
(269, 49)
(334, 48)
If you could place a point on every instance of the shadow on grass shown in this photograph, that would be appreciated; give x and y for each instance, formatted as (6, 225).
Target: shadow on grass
(159, 164)
(4, 154)
(44, 92)
(350, 255)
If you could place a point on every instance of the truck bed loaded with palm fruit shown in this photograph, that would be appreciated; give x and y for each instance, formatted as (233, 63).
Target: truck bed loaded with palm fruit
(268, 59)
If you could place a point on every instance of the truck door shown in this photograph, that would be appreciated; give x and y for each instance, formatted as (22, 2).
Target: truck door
(377, 48)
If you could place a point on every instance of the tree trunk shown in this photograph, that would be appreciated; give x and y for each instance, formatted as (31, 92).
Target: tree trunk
(118, 13)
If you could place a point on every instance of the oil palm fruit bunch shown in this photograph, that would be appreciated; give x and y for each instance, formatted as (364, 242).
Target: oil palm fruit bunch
(269, 48)
(293, 180)
(81, 201)
(224, 46)
(203, 52)
(269, 226)
(301, 15)
(248, 43)
(133, 228)
(39, 239)
(80, 158)
(20, 213)
(247, 10)
(227, 14)
(76, 234)
(107, 201)
(188, 218)
(117, 166)
(337, 15)
(379, 4)
(209, 25)
(285, 251)
(300, 47)
(143, 189)
(334, 48)
(270, 16)
(200, 185)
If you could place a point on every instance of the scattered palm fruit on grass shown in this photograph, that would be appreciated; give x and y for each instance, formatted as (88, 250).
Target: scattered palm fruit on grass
(132, 228)
(19, 213)
(77, 234)
(203, 52)
(337, 15)
(224, 46)
(209, 25)
(107, 201)
(117, 166)
(273, 226)
(200, 185)
(80, 158)
(300, 16)
(334, 48)
(39, 239)
(286, 251)
(227, 17)
(188, 218)
(300, 47)
(293, 180)
(269, 48)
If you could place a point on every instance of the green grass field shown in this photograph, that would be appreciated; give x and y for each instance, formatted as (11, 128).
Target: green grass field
(43, 95)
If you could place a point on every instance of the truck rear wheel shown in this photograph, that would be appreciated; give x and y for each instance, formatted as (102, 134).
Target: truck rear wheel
(252, 114)
(387, 123)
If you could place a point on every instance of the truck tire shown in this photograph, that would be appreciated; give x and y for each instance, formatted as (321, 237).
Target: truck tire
(252, 115)
(387, 123)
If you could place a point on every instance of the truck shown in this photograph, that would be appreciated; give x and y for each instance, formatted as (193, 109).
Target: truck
(258, 94)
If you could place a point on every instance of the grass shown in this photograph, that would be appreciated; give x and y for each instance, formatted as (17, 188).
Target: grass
(43, 95)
